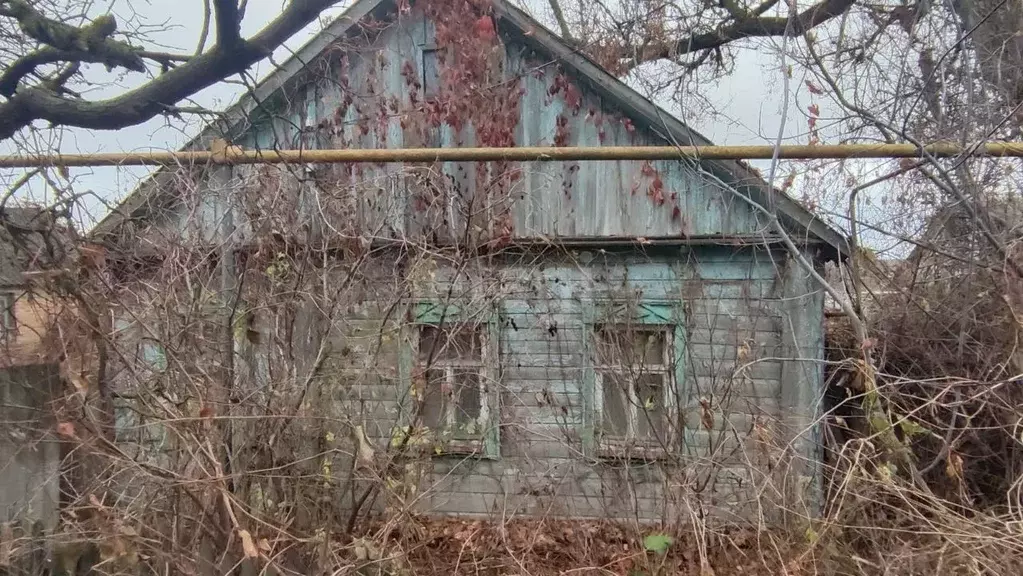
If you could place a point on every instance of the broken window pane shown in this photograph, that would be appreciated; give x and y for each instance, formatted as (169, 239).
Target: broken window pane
(650, 396)
(430, 342)
(606, 346)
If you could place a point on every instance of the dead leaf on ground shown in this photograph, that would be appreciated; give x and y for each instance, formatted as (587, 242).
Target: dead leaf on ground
(248, 546)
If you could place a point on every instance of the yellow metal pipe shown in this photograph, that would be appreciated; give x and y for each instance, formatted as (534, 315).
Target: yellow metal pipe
(234, 155)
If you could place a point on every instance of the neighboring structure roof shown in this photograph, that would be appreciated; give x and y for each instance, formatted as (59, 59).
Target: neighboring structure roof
(530, 32)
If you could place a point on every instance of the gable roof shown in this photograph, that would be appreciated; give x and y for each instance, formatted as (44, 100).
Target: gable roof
(526, 30)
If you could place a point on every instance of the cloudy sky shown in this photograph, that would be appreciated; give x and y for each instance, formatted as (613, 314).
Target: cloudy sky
(747, 104)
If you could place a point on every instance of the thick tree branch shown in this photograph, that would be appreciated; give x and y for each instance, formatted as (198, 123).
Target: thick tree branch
(228, 22)
(27, 64)
(749, 27)
(162, 93)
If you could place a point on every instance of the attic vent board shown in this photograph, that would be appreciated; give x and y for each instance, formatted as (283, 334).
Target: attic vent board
(431, 70)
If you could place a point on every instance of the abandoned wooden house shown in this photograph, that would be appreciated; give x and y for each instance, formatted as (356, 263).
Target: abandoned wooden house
(598, 339)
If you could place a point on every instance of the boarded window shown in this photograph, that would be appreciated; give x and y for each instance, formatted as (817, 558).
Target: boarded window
(633, 370)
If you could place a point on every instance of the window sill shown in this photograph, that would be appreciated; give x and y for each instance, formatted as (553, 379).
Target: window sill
(462, 448)
(632, 450)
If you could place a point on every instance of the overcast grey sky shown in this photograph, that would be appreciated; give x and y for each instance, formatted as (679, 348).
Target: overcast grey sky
(747, 104)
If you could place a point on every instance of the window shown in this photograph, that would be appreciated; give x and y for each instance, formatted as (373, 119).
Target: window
(453, 380)
(452, 358)
(633, 381)
(8, 321)
(633, 371)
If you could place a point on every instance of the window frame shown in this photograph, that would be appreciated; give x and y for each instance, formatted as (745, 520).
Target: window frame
(665, 316)
(438, 314)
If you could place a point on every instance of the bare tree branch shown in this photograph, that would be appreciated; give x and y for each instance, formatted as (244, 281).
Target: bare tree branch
(93, 38)
(36, 103)
(749, 27)
(204, 34)
(27, 64)
(559, 15)
(228, 22)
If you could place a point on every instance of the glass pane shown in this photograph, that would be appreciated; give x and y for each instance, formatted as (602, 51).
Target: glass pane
(430, 337)
(467, 407)
(153, 355)
(449, 343)
(7, 319)
(432, 415)
(650, 395)
(607, 345)
(648, 347)
(464, 343)
(125, 422)
(630, 346)
(614, 421)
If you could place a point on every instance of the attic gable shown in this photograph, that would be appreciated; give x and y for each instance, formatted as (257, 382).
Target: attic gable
(393, 76)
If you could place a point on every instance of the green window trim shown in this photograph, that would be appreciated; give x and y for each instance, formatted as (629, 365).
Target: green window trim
(433, 313)
(644, 313)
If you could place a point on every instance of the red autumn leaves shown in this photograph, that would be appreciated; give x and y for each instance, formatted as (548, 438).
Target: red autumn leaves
(484, 28)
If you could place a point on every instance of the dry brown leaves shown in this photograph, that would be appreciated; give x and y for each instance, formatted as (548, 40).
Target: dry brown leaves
(554, 546)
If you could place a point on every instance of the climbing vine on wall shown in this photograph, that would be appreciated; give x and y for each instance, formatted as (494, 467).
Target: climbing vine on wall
(449, 82)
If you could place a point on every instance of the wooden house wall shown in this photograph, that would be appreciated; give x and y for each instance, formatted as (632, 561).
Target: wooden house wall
(330, 349)
(753, 352)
